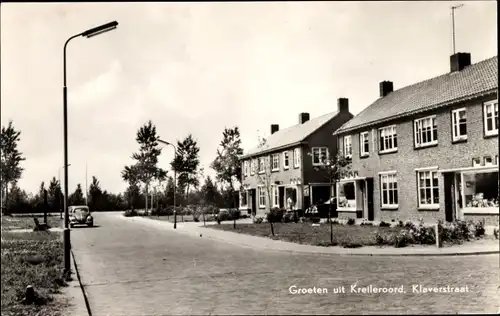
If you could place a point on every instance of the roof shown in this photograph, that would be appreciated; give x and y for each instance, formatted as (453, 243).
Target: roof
(291, 135)
(474, 80)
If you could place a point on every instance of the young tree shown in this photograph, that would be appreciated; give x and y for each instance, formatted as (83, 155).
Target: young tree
(209, 191)
(77, 198)
(334, 168)
(186, 164)
(145, 170)
(54, 195)
(169, 192)
(95, 195)
(132, 195)
(226, 164)
(10, 159)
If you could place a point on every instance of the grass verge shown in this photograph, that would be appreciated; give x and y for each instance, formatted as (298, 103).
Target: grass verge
(26, 222)
(349, 236)
(32, 258)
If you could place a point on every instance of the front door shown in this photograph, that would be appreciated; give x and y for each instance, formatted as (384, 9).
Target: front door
(253, 193)
(369, 198)
(281, 192)
(449, 199)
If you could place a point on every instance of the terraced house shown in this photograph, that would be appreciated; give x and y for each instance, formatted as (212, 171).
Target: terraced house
(287, 163)
(429, 150)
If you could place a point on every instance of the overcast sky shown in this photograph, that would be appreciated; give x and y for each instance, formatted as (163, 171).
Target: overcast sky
(198, 67)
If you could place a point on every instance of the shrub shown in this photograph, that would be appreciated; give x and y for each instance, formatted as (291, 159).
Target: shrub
(351, 221)
(289, 217)
(425, 235)
(234, 214)
(275, 215)
(302, 219)
(479, 227)
(380, 240)
(364, 223)
(130, 213)
(224, 216)
(401, 224)
(166, 211)
(315, 219)
(258, 220)
(402, 239)
(384, 224)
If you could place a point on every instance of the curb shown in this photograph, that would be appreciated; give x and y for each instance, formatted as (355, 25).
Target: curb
(87, 304)
(349, 253)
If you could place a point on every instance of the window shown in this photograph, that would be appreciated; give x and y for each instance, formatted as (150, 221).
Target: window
(286, 161)
(296, 157)
(481, 190)
(347, 146)
(459, 124)
(276, 201)
(262, 197)
(426, 131)
(388, 139)
(364, 143)
(243, 199)
(488, 161)
(276, 162)
(428, 189)
(262, 165)
(347, 195)
(245, 168)
(389, 184)
(491, 118)
(319, 155)
(252, 166)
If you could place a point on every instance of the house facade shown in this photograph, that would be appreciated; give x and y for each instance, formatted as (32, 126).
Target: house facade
(284, 168)
(429, 150)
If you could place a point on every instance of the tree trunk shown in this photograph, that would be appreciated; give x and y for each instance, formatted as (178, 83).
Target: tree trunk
(146, 199)
(6, 205)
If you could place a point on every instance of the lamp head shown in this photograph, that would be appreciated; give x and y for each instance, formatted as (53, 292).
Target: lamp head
(100, 29)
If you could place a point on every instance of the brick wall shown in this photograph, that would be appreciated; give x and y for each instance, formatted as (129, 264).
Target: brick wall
(445, 155)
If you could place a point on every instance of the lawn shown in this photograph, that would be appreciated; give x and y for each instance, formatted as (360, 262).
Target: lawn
(32, 258)
(305, 233)
(26, 222)
(182, 218)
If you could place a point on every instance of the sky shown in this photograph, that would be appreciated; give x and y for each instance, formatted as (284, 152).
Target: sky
(196, 68)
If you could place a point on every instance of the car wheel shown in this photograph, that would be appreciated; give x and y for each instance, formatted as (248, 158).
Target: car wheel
(90, 224)
(71, 225)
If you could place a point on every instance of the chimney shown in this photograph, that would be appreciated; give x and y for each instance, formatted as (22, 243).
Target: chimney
(459, 61)
(303, 117)
(343, 105)
(386, 87)
(274, 128)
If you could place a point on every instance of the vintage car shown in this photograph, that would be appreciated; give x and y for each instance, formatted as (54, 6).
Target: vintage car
(80, 215)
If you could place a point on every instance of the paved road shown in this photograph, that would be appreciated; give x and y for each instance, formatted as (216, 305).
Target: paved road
(131, 268)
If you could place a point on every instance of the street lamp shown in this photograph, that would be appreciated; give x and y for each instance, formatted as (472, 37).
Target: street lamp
(175, 178)
(88, 33)
(59, 180)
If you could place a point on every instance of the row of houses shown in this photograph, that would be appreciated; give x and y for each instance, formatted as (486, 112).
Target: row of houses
(428, 150)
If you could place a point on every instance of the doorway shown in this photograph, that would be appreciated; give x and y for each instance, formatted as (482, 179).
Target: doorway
(449, 197)
(253, 193)
(369, 198)
(281, 192)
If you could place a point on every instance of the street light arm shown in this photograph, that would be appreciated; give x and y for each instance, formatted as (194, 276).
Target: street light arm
(64, 55)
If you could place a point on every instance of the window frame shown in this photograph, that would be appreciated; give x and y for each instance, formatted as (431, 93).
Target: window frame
(347, 147)
(296, 157)
(262, 165)
(277, 156)
(382, 176)
(320, 150)
(344, 208)
(432, 171)
(364, 137)
(252, 167)
(477, 210)
(454, 123)
(286, 160)
(391, 137)
(493, 104)
(244, 193)
(260, 191)
(276, 196)
(417, 132)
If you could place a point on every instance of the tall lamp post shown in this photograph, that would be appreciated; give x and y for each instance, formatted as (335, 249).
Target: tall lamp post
(59, 180)
(88, 33)
(175, 178)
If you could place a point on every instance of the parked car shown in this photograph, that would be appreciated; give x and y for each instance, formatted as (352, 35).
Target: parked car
(321, 209)
(80, 215)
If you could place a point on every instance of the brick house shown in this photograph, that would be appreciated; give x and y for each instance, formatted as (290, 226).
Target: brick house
(429, 150)
(291, 155)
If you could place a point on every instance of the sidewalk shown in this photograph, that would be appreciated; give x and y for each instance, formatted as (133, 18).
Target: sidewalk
(196, 229)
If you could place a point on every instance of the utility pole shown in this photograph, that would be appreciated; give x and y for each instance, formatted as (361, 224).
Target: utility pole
(86, 187)
(453, 8)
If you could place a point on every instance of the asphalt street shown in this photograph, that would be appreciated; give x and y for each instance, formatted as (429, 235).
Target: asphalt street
(129, 268)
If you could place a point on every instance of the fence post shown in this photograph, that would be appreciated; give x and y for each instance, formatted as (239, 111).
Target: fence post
(438, 241)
